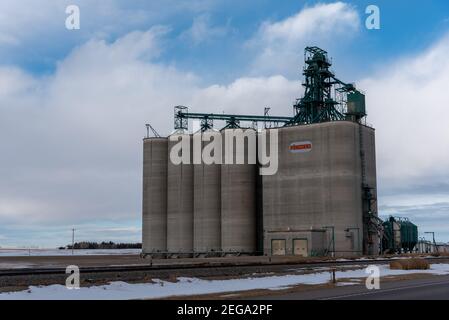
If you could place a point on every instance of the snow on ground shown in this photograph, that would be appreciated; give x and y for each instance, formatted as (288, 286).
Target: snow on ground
(56, 252)
(382, 258)
(343, 284)
(16, 266)
(317, 269)
(194, 286)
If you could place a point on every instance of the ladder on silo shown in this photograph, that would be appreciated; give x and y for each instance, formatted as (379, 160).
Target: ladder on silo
(365, 214)
(372, 224)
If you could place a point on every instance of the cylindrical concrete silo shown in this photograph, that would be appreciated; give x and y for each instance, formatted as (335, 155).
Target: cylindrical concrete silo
(207, 196)
(180, 197)
(154, 204)
(238, 200)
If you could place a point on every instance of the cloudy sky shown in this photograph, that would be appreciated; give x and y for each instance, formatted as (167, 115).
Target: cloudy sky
(73, 104)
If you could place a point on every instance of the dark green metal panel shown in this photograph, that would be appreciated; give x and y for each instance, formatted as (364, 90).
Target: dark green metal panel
(356, 104)
(409, 235)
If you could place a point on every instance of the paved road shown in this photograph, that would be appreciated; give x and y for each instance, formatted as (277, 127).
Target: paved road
(431, 288)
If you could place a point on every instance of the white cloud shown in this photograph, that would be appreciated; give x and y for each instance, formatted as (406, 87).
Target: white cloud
(8, 40)
(202, 30)
(15, 82)
(249, 95)
(38, 27)
(21, 18)
(408, 104)
(321, 19)
(71, 141)
(281, 43)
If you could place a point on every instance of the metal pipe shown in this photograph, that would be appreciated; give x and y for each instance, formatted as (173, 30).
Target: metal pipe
(333, 238)
(192, 115)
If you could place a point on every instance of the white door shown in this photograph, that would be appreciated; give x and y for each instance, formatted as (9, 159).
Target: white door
(300, 247)
(278, 247)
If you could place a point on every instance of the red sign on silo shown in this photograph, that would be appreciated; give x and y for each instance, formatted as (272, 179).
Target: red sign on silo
(301, 147)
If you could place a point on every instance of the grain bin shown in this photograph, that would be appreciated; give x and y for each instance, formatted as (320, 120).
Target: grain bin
(238, 199)
(409, 235)
(180, 199)
(154, 204)
(207, 198)
(400, 235)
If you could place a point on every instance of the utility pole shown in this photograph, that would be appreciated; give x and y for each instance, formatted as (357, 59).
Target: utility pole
(73, 240)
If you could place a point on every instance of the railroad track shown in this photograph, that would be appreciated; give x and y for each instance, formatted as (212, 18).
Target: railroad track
(180, 267)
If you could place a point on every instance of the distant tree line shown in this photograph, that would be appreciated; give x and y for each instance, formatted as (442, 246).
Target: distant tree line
(103, 245)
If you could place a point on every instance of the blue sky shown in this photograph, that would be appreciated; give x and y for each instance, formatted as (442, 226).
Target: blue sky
(73, 103)
(407, 27)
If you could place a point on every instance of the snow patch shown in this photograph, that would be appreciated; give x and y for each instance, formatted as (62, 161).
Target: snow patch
(343, 284)
(194, 286)
(56, 252)
(7, 266)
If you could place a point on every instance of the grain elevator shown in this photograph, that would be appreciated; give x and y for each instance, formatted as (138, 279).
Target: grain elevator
(320, 200)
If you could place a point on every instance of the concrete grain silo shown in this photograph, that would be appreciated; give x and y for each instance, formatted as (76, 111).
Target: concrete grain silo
(180, 201)
(314, 204)
(238, 203)
(321, 201)
(154, 205)
(207, 201)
